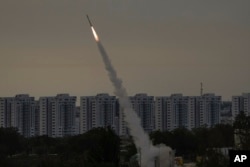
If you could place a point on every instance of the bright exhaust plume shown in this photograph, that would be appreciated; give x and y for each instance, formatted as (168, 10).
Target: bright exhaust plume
(94, 33)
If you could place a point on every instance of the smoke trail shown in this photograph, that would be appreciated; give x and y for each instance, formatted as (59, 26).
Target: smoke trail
(142, 141)
(148, 152)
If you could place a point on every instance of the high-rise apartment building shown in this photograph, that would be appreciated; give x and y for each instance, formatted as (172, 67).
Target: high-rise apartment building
(241, 104)
(193, 112)
(57, 115)
(98, 111)
(226, 113)
(20, 112)
(143, 105)
(177, 111)
(45, 112)
(171, 112)
(6, 104)
(209, 110)
(63, 115)
(77, 120)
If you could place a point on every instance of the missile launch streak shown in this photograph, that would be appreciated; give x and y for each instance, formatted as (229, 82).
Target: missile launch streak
(93, 30)
(89, 21)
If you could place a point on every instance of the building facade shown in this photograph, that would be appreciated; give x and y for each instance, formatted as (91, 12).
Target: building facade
(21, 112)
(101, 110)
(6, 104)
(57, 115)
(209, 110)
(143, 105)
(45, 116)
(241, 104)
(171, 112)
(190, 112)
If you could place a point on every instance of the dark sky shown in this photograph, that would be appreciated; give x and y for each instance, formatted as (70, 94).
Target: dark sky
(157, 46)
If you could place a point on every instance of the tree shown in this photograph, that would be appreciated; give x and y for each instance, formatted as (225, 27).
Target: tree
(181, 139)
(41, 145)
(11, 142)
(97, 146)
(224, 136)
(213, 158)
(184, 142)
(157, 137)
(242, 130)
(165, 137)
(202, 141)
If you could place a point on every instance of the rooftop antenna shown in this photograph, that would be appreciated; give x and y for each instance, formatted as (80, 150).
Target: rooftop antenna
(201, 89)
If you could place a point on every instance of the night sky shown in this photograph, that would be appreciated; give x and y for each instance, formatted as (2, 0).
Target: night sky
(158, 47)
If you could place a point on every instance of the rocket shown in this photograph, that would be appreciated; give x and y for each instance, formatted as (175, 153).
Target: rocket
(93, 30)
(89, 21)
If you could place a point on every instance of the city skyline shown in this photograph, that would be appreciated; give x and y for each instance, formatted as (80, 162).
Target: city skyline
(58, 116)
(78, 98)
(157, 47)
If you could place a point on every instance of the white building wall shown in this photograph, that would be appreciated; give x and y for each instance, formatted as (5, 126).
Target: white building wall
(192, 112)
(5, 111)
(123, 129)
(241, 104)
(77, 120)
(144, 107)
(24, 114)
(63, 115)
(98, 111)
(209, 110)
(160, 114)
(19, 112)
(246, 103)
(45, 111)
(88, 118)
(57, 115)
(172, 112)
(177, 111)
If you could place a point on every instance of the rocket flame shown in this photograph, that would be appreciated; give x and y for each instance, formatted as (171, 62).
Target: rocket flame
(95, 34)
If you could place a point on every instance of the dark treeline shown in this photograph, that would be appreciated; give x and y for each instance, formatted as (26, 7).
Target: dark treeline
(207, 143)
(190, 143)
(100, 147)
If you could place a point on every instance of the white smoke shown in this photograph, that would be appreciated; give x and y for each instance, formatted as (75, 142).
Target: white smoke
(148, 152)
(141, 139)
